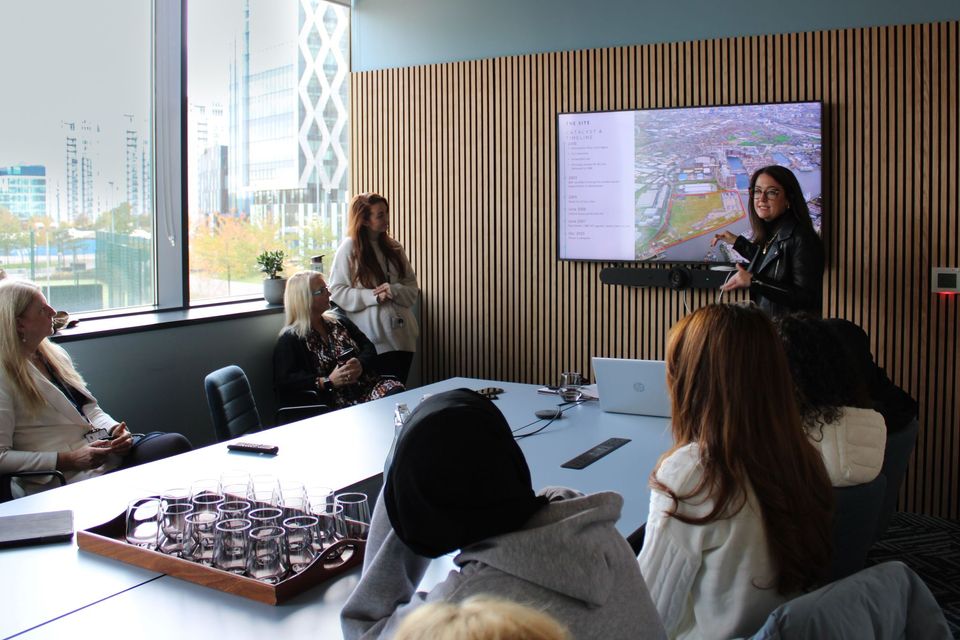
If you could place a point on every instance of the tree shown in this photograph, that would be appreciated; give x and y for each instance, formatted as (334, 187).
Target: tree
(121, 219)
(229, 250)
(12, 234)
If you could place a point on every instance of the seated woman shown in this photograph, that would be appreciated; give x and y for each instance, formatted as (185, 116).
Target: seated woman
(459, 481)
(740, 513)
(48, 417)
(834, 402)
(321, 357)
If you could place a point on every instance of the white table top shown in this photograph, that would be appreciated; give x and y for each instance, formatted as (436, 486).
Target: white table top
(48, 589)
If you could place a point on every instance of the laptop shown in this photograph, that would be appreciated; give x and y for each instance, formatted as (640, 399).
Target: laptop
(632, 386)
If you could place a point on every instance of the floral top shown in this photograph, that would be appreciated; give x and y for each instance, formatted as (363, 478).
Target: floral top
(300, 363)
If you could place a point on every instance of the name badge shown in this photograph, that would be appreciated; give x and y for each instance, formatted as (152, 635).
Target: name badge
(96, 434)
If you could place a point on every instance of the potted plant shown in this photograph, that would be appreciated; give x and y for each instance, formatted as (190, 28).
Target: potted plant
(271, 263)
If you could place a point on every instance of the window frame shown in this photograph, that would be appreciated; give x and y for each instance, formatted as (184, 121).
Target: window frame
(171, 203)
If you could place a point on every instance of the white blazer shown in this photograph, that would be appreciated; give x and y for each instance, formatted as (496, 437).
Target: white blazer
(30, 442)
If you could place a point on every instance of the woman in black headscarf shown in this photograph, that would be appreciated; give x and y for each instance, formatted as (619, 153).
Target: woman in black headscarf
(459, 481)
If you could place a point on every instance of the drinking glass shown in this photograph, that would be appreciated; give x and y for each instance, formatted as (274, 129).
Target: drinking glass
(143, 522)
(230, 544)
(233, 509)
(173, 526)
(234, 478)
(265, 557)
(300, 534)
(205, 495)
(264, 490)
(235, 491)
(175, 495)
(198, 542)
(265, 517)
(319, 496)
(356, 514)
(570, 382)
(330, 526)
(293, 497)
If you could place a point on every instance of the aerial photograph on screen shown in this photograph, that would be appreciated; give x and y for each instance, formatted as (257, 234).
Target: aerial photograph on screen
(693, 167)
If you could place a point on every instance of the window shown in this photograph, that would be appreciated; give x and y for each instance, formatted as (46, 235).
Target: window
(267, 92)
(91, 182)
(76, 163)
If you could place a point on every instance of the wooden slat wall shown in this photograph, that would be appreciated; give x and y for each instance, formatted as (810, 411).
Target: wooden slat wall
(465, 152)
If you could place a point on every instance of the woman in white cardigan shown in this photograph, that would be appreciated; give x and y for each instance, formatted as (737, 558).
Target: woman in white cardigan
(48, 417)
(373, 283)
(834, 402)
(741, 506)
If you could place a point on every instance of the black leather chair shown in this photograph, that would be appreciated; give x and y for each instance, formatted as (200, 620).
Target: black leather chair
(234, 410)
(896, 457)
(232, 407)
(857, 509)
(6, 481)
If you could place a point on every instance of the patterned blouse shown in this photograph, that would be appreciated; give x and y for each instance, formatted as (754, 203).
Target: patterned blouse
(325, 351)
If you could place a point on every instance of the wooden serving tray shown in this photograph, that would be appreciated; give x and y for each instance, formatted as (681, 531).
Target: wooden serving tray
(108, 540)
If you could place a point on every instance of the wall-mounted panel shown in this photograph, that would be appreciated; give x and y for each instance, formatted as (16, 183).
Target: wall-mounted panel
(466, 153)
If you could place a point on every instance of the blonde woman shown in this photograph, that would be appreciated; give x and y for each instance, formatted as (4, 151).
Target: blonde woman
(48, 417)
(480, 618)
(373, 283)
(320, 353)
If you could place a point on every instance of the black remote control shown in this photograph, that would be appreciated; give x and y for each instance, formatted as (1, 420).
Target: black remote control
(590, 456)
(253, 447)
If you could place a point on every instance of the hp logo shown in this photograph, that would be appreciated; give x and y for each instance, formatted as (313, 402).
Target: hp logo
(638, 387)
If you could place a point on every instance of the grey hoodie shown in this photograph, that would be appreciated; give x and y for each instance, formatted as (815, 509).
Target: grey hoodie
(568, 560)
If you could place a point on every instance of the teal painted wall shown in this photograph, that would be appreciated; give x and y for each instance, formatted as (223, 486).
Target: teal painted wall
(401, 33)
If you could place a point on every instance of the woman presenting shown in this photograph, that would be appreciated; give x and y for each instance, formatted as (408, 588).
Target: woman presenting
(785, 272)
(373, 283)
(48, 417)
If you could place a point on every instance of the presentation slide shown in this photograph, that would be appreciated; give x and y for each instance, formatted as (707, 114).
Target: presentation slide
(596, 186)
(659, 184)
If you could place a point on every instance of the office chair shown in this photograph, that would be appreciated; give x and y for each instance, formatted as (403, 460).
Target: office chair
(232, 407)
(896, 457)
(6, 481)
(234, 410)
(856, 510)
(885, 601)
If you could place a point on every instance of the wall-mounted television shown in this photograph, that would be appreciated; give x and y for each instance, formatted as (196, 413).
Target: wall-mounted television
(655, 185)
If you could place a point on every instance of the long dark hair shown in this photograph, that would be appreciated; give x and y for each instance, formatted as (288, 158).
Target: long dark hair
(365, 268)
(825, 379)
(731, 393)
(797, 206)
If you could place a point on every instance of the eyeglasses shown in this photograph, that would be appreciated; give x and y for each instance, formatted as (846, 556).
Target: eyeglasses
(770, 194)
(321, 291)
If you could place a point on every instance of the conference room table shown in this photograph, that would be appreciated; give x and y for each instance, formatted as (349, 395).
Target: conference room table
(58, 591)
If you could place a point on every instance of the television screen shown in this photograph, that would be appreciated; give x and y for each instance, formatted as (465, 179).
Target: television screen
(658, 184)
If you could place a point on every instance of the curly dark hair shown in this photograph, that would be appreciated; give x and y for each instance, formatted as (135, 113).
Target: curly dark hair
(824, 378)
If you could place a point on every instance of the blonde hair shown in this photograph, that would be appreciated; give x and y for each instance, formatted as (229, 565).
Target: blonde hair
(297, 300)
(480, 618)
(15, 297)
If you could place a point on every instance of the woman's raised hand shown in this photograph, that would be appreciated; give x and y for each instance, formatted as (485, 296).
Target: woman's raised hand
(726, 236)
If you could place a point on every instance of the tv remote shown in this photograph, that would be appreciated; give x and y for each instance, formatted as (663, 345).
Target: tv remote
(590, 456)
(253, 447)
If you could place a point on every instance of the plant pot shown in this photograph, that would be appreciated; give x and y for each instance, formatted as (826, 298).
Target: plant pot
(273, 289)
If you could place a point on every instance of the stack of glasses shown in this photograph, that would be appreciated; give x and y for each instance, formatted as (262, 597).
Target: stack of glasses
(253, 525)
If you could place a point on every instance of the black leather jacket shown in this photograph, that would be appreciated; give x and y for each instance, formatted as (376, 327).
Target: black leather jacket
(789, 276)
